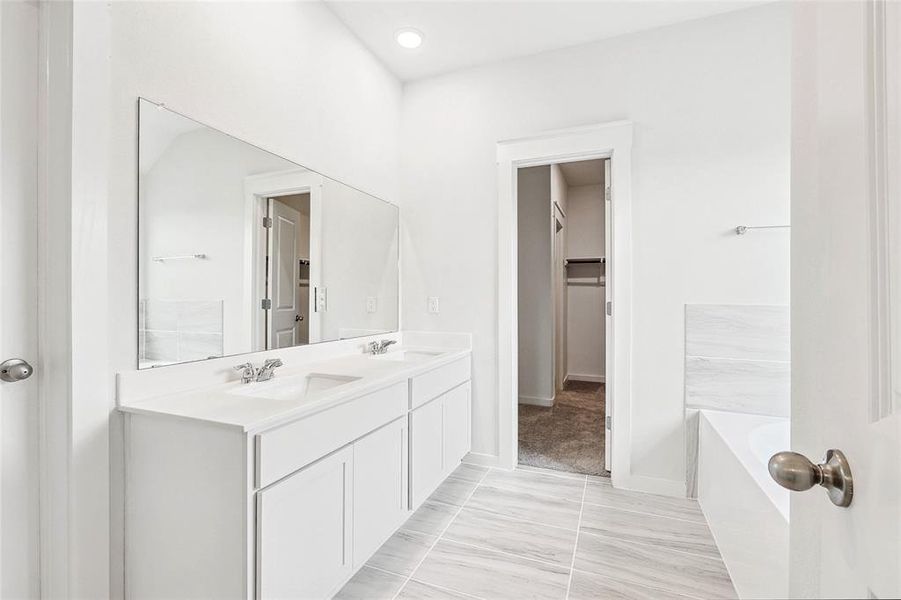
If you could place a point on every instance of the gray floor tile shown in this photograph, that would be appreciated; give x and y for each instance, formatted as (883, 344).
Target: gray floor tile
(553, 472)
(528, 507)
(489, 574)
(599, 480)
(402, 552)
(371, 584)
(469, 472)
(653, 565)
(586, 586)
(661, 506)
(536, 483)
(453, 491)
(521, 538)
(431, 518)
(416, 590)
(676, 534)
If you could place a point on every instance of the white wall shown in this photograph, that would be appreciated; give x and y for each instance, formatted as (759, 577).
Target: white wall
(285, 76)
(536, 299)
(710, 104)
(585, 348)
(359, 259)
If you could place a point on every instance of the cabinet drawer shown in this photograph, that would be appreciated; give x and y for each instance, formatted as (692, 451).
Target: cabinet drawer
(283, 450)
(437, 381)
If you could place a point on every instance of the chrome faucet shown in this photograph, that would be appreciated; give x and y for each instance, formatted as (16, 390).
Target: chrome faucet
(266, 372)
(249, 373)
(380, 347)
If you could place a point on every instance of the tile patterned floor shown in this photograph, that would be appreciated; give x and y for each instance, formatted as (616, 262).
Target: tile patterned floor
(531, 533)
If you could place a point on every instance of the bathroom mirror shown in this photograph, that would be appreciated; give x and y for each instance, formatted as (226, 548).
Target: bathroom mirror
(241, 250)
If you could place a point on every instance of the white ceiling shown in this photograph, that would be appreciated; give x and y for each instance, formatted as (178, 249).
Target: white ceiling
(583, 172)
(469, 33)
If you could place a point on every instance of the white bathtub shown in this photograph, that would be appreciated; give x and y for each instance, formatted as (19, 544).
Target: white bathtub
(747, 511)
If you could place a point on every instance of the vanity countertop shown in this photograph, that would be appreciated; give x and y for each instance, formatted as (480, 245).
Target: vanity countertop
(230, 405)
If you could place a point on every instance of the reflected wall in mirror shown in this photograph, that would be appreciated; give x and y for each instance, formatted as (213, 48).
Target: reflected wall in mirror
(241, 250)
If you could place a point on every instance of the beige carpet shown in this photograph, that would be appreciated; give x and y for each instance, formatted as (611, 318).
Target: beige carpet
(570, 435)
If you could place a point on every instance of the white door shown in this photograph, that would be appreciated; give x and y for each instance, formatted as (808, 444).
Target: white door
(19, 446)
(608, 319)
(305, 531)
(559, 267)
(283, 276)
(846, 299)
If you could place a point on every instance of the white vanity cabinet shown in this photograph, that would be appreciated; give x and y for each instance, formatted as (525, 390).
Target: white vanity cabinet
(304, 530)
(440, 438)
(439, 426)
(380, 482)
(293, 510)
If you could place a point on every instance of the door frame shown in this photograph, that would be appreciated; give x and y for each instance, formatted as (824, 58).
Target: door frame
(257, 191)
(612, 141)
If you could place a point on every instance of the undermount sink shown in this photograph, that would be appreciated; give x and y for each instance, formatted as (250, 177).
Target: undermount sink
(293, 387)
(408, 355)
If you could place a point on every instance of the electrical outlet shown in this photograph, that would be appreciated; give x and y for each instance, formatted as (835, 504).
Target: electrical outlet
(321, 299)
(433, 305)
(370, 304)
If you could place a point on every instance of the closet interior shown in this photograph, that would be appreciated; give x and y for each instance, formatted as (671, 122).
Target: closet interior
(562, 294)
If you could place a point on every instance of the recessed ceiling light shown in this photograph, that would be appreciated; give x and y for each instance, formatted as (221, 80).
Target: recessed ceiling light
(408, 38)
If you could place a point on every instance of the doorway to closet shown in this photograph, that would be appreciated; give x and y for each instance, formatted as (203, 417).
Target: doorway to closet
(563, 241)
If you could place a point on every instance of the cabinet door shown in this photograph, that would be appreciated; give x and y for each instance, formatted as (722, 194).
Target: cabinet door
(427, 450)
(380, 488)
(304, 530)
(457, 425)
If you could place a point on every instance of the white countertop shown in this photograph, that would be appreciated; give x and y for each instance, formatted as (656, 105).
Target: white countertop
(224, 406)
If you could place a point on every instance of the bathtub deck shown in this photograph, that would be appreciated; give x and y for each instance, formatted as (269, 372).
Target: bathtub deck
(492, 535)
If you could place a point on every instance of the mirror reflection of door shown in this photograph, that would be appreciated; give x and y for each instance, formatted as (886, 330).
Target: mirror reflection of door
(287, 275)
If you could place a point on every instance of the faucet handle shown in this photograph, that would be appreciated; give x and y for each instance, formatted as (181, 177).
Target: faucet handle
(247, 372)
(271, 363)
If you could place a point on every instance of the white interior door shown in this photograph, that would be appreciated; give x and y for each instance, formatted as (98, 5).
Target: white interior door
(559, 267)
(283, 276)
(846, 299)
(608, 320)
(19, 442)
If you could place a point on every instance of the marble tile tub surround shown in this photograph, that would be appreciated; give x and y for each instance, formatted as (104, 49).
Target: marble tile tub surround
(179, 330)
(737, 359)
(136, 386)
(532, 533)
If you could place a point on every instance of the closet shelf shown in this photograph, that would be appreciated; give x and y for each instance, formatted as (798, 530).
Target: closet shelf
(585, 260)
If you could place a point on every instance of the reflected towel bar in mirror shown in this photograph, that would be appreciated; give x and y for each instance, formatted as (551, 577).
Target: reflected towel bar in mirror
(179, 257)
(743, 229)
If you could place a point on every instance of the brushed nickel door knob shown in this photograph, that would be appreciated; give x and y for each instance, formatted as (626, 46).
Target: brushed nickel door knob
(796, 472)
(15, 369)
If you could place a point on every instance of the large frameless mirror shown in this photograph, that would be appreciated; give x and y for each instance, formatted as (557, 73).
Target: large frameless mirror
(241, 250)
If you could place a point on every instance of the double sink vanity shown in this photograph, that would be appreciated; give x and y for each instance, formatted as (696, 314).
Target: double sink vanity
(284, 488)
(278, 428)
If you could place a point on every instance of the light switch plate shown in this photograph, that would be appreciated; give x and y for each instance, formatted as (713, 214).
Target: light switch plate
(371, 304)
(321, 299)
(433, 305)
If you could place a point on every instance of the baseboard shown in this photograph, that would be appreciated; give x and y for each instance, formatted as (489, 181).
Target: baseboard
(650, 485)
(587, 378)
(546, 402)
